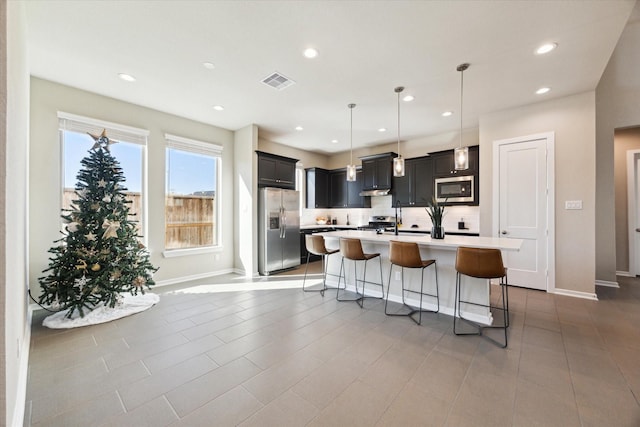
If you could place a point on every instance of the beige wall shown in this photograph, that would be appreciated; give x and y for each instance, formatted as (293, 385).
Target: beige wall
(307, 158)
(572, 119)
(14, 311)
(625, 140)
(410, 148)
(47, 98)
(617, 106)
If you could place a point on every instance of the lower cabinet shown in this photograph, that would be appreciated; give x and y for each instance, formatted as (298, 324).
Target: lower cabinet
(303, 244)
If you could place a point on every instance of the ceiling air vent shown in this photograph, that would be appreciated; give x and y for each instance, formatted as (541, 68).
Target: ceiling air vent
(278, 81)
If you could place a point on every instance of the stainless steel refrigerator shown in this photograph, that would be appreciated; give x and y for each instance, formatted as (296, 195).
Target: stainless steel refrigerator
(279, 230)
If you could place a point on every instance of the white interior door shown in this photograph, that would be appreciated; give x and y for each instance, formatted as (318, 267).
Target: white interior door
(637, 228)
(523, 208)
(633, 196)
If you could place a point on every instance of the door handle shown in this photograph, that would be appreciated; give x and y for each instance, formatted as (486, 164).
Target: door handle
(637, 230)
(284, 224)
(504, 232)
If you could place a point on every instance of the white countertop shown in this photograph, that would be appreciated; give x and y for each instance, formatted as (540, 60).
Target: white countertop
(449, 242)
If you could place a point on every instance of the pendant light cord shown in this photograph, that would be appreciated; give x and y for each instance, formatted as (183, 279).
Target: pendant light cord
(461, 68)
(461, 92)
(398, 90)
(351, 135)
(398, 123)
(351, 107)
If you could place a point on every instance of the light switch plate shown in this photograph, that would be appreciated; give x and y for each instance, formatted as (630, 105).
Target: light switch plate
(573, 204)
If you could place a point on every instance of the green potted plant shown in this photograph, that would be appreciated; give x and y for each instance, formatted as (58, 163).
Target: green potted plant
(436, 213)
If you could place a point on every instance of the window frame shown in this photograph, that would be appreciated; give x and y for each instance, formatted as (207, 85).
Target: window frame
(118, 132)
(196, 147)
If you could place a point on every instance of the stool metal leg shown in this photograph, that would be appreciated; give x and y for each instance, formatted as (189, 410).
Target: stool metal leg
(304, 281)
(413, 310)
(480, 328)
(360, 295)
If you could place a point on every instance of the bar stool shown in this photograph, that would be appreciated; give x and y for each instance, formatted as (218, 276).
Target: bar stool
(484, 264)
(352, 249)
(407, 255)
(315, 245)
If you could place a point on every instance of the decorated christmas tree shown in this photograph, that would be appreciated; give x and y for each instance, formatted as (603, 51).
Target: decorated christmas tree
(100, 255)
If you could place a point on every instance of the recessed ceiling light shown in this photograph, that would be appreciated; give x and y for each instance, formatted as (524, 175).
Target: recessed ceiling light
(543, 90)
(310, 53)
(127, 77)
(334, 141)
(218, 107)
(408, 98)
(382, 130)
(546, 48)
(447, 113)
(299, 128)
(208, 65)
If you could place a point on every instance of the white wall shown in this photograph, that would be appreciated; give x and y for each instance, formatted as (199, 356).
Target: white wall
(572, 119)
(47, 98)
(16, 321)
(246, 207)
(617, 98)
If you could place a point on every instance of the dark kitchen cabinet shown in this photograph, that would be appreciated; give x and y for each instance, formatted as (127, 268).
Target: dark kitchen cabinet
(346, 194)
(354, 199)
(415, 188)
(276, 171)
(338, 188)
(443, 163)
(317, 188)
(377, 171)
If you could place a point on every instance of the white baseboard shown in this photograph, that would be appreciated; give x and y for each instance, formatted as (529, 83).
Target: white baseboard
(623, 274)
(21, 395)
(576, 294)
(607, 284)
(182, 279)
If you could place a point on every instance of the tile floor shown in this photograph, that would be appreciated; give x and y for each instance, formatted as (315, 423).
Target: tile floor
(281, 357)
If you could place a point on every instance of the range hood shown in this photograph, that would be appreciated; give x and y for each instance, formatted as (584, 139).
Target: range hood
(384, 192)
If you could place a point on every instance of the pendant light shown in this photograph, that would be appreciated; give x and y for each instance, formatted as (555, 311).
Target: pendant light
(398, 162)
(461, 154)
(351, 168)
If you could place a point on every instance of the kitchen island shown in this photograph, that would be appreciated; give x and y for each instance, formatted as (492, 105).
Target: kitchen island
(442, 250)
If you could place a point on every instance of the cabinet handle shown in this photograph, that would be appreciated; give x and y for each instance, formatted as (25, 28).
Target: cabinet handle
(504, 232)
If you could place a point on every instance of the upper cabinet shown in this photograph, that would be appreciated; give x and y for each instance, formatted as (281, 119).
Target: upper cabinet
(338, 188)
(377, 171)
(330, 189)
(317, 188)
(354, 199)
(415, 188)
(276, 171)
(443, 163)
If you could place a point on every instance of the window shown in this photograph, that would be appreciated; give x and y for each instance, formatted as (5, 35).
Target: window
(130, 151)
(192, 196)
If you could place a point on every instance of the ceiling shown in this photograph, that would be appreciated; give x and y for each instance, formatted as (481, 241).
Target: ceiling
(366, 49)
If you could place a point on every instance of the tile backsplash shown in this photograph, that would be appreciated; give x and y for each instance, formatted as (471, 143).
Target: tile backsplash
(410, 216)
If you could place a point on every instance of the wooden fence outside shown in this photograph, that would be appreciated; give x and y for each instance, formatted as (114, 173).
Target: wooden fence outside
(189, 220)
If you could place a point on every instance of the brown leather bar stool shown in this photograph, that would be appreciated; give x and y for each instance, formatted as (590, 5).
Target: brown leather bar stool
(483, 264)
(352, 249)
(407, 255)
(315, 245)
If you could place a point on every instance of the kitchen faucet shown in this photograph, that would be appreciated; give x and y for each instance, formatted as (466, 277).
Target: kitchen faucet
(398, 205)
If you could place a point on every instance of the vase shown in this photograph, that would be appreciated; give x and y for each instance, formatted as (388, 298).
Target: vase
(437, 232)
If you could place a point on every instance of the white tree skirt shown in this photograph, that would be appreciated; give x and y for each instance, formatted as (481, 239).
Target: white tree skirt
(130, 305)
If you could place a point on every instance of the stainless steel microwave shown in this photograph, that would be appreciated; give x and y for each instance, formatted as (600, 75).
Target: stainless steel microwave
(455, 189)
